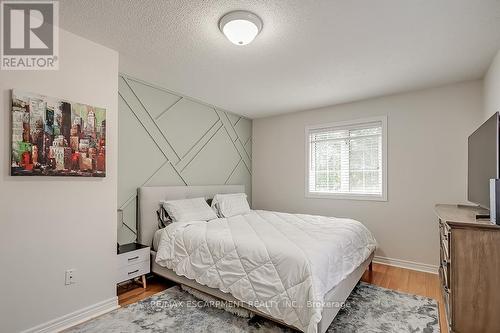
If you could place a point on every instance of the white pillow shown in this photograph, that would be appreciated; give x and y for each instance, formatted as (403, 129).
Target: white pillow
(228, 205)
(189, 210)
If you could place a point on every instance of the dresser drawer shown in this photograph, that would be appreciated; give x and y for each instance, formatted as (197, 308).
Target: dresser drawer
(444, 230)
(133, 271)
(444, 275)
(447, 305)
(444, 239)
(445, 252)
(133, 257)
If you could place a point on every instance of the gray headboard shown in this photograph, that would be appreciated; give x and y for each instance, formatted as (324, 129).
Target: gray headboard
(150, 197)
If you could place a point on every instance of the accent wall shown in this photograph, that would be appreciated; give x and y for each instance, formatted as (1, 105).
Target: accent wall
(169, 139)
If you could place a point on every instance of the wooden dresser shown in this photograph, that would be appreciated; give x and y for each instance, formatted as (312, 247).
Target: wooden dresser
(469, 269)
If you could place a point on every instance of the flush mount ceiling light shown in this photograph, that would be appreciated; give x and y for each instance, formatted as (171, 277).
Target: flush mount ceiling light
(240, 26)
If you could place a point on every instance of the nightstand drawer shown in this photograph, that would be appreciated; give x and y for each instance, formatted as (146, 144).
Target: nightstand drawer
(133, 257)
(133, 271)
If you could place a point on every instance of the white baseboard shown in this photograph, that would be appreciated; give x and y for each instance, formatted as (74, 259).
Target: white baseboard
(416, 266)
(76, 317)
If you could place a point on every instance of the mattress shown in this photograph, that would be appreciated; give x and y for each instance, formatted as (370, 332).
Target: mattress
(283, 264)
(156, 239)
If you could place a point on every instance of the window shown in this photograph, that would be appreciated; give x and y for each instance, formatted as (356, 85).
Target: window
(347, 160)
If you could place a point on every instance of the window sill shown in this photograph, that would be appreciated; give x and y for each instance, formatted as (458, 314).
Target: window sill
(342, 196)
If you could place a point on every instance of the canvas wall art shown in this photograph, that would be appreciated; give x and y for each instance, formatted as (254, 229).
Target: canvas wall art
(53, 137)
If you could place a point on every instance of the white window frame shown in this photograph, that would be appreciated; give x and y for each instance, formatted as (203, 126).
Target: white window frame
(348, 196)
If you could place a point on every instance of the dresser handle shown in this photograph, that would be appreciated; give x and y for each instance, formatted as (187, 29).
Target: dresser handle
(445, 262)
(136, 257)
(133, 272)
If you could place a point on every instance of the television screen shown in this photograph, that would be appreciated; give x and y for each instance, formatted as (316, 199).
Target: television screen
(483, 161)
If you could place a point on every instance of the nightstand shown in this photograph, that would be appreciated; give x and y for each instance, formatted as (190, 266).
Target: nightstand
(133, 262)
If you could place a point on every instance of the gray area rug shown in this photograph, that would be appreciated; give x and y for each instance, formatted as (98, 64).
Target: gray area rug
(368, 309)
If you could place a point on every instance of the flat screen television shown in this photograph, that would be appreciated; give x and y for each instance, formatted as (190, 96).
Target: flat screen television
(483, 164)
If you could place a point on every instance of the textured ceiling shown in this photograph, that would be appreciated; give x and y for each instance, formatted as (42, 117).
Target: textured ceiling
(310, 53)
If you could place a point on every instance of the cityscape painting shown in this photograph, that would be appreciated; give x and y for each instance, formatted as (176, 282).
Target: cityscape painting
(52, 137)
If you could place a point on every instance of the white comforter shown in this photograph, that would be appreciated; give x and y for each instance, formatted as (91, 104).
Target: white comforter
(284, 264)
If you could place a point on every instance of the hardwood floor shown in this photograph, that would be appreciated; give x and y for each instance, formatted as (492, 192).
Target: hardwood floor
(134, 292)
(408, 281)
(400, 279)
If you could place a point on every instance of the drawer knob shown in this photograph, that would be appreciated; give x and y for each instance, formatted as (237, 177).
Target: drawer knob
(133, 258)
(133, 272)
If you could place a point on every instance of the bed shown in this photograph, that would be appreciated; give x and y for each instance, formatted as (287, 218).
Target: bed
(288, 269)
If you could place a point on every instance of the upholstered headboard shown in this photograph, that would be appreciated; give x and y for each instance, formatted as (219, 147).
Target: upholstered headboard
(150, 197)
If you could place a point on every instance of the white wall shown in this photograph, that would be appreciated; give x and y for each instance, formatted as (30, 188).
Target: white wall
(427, 164)
(492, 88)
(51, 224)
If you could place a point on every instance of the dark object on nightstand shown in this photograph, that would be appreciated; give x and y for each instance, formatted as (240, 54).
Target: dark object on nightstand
(129, 247)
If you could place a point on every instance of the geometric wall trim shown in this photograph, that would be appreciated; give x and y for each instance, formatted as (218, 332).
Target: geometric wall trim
(169, 139)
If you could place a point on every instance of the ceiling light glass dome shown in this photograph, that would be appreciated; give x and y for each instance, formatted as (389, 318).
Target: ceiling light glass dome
(240, 27)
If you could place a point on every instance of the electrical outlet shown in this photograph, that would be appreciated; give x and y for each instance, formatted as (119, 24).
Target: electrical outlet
(70, 277)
